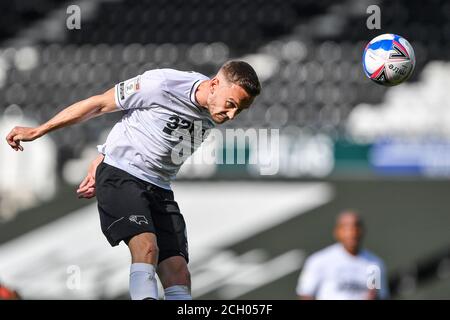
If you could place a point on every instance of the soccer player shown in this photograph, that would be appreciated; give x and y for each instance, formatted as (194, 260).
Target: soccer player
(344, 271)
(132, 174)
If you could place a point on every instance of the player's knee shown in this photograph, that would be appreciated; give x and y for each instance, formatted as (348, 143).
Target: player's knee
(149, 248)
(144, 249)
(147, 253)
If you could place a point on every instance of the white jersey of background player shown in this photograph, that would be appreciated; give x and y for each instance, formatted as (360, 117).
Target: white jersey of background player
(344, 271)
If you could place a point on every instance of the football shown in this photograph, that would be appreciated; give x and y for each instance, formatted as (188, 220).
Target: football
(388, 59)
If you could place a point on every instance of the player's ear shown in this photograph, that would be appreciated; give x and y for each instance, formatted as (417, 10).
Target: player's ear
(214, 84)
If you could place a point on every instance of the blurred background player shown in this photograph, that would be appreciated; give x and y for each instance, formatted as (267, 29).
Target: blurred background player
(344, 271)
(132, 176)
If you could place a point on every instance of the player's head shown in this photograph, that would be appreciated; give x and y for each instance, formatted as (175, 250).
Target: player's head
(232, 90)
(349, 230)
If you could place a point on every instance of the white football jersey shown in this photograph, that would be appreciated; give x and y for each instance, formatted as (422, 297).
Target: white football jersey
(335, 274)
(161, 126)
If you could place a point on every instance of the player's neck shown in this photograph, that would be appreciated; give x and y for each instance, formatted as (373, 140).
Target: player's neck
(201, 94)
(352, 251)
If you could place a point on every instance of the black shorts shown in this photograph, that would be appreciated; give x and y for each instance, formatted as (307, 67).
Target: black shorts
(129, 206)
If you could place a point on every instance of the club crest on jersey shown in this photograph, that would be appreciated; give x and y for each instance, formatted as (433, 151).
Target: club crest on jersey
(138, 219)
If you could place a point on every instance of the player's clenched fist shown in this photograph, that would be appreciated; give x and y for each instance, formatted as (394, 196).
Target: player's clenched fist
(87, 186)
(19, 134)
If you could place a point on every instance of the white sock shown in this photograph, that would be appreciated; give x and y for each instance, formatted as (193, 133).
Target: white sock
(143, 282)
(177, 293)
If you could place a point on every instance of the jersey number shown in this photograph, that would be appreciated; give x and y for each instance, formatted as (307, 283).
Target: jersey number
(175, 123)
(178, 123)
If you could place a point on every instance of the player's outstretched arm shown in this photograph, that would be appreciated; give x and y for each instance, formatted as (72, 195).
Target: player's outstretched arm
(87, 186)
(76, 113)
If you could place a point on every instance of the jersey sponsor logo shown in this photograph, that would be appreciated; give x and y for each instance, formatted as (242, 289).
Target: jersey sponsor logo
(138, 219)
(129, 87)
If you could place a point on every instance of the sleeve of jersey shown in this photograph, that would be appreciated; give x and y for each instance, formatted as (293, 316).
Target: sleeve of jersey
(309, 279)
(138, 92)
(101, 148)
